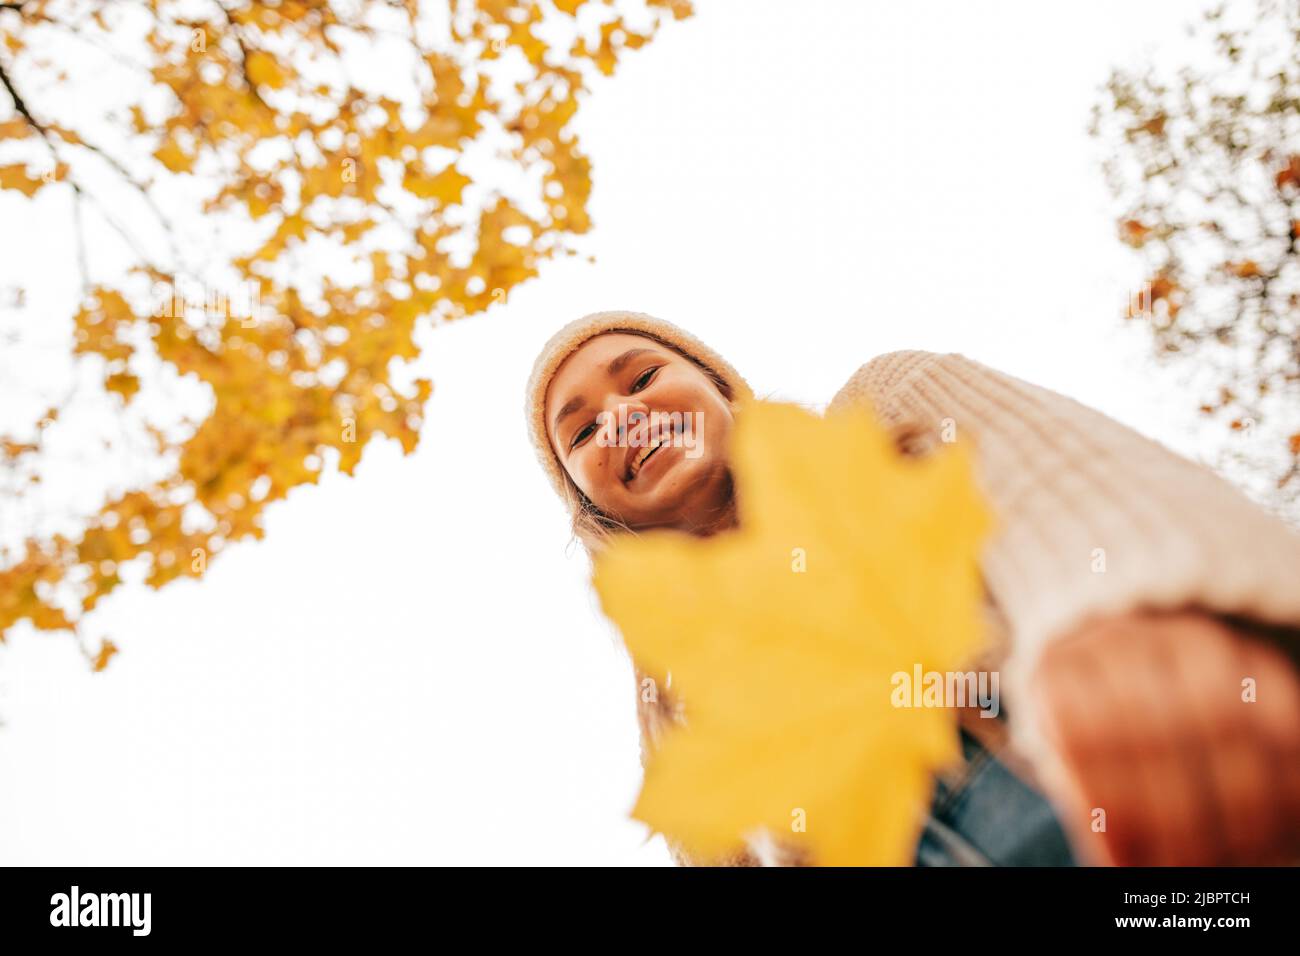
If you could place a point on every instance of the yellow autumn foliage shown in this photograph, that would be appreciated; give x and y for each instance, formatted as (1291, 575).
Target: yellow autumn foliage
(255, 103)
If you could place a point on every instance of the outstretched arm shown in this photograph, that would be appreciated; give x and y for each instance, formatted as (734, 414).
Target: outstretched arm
(1114, 557)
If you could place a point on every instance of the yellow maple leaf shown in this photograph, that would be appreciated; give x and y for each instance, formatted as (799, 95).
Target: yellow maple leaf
(786, 675)
(124, 384)
(263, 70)
(173, 157)
(446, 186)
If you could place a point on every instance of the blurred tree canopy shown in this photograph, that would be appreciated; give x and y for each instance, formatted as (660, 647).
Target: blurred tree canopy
(354, 158)
(1205, 165)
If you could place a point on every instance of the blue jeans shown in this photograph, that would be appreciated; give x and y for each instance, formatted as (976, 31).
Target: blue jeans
(990, 818)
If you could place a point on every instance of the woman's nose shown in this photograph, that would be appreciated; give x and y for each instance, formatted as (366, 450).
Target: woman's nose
(629, 415)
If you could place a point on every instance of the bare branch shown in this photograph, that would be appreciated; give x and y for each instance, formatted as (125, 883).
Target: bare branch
(19, 105)
(44, 132)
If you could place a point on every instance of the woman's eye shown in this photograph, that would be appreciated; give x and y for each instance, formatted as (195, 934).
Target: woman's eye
(644, 380)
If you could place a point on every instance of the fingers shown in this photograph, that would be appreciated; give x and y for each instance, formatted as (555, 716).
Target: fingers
(1116, 778)
(1078, 773)
(1160, 795)
(1208, 663)
(1274, 702)
(1146, 721)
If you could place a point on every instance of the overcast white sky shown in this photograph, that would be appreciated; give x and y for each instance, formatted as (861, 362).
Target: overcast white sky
(411, 667)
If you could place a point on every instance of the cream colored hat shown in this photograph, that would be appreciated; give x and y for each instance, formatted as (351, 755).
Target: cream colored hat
(571, 336)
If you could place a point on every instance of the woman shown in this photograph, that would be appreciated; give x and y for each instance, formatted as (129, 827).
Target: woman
(1145, 614)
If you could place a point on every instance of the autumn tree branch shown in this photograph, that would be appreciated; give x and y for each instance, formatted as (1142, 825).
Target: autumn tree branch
(19, 105)
(243, 55)
(80, 194)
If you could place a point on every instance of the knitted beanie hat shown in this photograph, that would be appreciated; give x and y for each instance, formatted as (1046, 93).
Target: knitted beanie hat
(564, 342)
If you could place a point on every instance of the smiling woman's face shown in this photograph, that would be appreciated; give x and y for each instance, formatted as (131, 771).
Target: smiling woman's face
(685, 482)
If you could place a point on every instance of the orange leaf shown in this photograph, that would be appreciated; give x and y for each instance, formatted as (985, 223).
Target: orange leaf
(15, 177)
(106, 651)
(1133, 232)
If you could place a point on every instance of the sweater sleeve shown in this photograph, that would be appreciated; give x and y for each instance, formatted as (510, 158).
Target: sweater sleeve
(1092, 518)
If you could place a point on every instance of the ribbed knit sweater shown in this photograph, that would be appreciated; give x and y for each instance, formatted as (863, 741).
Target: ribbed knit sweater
(1092, 518)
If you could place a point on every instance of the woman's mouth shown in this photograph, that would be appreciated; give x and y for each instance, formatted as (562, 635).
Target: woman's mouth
(640, 458)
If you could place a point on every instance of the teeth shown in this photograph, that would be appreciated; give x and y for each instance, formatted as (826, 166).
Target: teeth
(636, 462)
